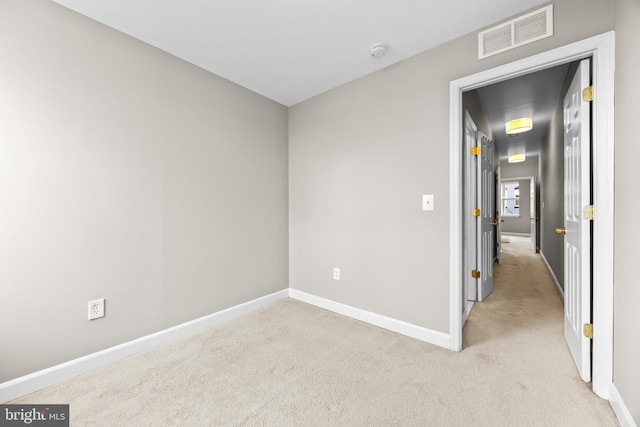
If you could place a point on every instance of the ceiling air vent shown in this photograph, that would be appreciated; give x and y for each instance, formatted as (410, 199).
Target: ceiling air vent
(517, 32)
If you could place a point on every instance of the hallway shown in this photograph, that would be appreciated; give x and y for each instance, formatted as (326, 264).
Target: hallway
(519, 328)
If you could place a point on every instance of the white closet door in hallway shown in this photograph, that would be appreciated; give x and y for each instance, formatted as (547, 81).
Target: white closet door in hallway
(577, 229)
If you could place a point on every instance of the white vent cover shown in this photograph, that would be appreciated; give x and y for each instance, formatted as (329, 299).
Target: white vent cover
(517, 32)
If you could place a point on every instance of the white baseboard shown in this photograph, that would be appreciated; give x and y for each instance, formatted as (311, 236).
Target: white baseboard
(29, 383)
(510, 233)
(423, 334)
(553, 276)
(620, 409)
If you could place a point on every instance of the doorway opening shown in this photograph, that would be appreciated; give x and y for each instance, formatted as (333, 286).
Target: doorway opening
(601, 50)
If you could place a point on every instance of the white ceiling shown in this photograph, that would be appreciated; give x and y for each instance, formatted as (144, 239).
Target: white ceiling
(291, 50)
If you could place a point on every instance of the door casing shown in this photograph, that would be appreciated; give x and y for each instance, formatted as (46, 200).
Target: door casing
(533, 215)
(601, 49)
(532, 203)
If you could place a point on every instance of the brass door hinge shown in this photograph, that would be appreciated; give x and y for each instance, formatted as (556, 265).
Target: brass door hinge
(587, 329)
(475, 274)
(475, 151)
(587, 94)
(475, 212)
(588, 212)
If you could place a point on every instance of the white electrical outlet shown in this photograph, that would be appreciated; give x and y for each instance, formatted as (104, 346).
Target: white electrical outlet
(336, 273)
(96, 308)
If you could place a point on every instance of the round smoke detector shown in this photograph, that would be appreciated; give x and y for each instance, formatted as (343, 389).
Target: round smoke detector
(377, 50)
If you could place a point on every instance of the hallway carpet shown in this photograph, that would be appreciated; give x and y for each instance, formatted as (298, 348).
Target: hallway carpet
(292, 364)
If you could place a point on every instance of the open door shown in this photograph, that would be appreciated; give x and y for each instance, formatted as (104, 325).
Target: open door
(486, 224)
(470, 225)
(577, 229)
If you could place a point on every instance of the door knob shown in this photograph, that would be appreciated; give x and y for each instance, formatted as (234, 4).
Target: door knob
(561, 230)
(495, 223)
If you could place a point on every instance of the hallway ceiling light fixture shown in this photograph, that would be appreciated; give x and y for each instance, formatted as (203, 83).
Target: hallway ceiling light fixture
(523, 124)
(517, 153)
(516, 158)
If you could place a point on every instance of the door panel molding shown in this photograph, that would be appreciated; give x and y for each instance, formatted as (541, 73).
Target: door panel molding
(601, 49)
(486, 201)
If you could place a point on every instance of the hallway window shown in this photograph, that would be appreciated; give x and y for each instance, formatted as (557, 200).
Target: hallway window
(510, 198)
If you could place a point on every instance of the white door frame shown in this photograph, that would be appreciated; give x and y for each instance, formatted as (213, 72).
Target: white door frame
(532, 183)
(601, 49)
(533, 213)
(498, 212)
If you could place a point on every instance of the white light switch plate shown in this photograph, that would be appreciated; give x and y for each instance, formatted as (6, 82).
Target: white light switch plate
(427, 202)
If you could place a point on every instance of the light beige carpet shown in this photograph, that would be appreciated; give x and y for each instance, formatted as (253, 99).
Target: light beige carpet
(292, 364)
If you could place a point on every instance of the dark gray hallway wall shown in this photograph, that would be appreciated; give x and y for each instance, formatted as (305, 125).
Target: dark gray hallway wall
(471, 103)
(552, 186)
(518, 170)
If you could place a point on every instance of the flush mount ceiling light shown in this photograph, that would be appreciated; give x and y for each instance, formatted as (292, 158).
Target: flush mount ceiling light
(523, 124)
(516, 158)
(516, 153)
(377, 50)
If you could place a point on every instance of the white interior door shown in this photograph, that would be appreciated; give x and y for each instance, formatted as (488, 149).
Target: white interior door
(470, 202)
(577, 239)
(486, 225)
(532, 214)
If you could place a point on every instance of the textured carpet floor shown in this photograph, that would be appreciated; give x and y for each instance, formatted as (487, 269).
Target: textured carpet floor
(291, 364)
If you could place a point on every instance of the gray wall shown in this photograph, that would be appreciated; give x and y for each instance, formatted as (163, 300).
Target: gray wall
(128, 174)
(552, 186)
(362, 155)
(627, 289)
(471, 103)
